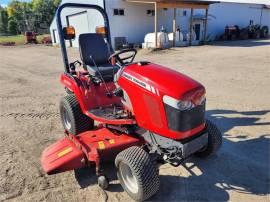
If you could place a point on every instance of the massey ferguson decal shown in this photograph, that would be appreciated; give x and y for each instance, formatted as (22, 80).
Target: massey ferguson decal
(141, 83)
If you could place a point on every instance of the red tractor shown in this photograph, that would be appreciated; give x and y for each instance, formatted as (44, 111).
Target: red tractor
(145, 114)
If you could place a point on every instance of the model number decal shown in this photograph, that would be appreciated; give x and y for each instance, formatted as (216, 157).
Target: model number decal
(141, 83)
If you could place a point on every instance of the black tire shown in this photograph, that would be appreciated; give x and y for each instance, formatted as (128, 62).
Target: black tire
(257, 34)
(143, 170)
(214, 140)
(68, 91)
(264, 32)
(73, 120)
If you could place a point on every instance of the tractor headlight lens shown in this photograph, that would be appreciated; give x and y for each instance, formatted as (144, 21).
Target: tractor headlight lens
(178, 104)
(185, 105)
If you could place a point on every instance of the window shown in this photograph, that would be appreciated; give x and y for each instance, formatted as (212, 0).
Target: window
(119, 11)
(184, 13)
(150, 12)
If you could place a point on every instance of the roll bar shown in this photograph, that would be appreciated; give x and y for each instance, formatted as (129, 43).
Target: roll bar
(60, 27)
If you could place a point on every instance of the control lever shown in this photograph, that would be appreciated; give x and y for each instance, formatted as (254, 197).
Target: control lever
(118, 92)
(109, 94)
(73, 66)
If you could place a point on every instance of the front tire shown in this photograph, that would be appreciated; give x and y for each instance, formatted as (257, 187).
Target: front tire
(214, 140)
(137, 173)
(73, 120)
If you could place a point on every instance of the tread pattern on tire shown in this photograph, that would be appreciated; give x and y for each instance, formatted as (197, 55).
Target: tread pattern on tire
(144, 169)
(79, 121)
(214, 140)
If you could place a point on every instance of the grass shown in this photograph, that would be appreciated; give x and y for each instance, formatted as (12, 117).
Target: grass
(19, 39)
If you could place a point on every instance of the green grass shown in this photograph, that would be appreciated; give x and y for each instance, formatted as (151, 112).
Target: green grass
(18, 39)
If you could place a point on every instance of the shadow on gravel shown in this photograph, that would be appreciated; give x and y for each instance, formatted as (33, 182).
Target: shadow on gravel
(242, 165)
(87, 177)
(238, 119)
(243, 169)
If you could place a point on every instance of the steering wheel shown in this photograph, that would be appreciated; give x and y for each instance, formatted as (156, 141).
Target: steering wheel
(116, 57)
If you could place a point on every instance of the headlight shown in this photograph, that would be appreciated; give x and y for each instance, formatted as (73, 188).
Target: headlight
(178, 104)
(200, 100)
(185, 105)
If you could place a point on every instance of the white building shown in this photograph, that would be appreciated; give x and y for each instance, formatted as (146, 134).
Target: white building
(134, 19)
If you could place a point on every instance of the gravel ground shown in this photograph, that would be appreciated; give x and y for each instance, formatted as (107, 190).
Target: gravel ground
(237, 78)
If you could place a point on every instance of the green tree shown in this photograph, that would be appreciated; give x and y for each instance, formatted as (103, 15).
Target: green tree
(44, 11)
(56, 3)
(3, 20)
(12, 26)
(31, 16)
(22, 13)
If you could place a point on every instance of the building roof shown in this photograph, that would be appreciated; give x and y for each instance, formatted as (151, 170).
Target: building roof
(260, 2)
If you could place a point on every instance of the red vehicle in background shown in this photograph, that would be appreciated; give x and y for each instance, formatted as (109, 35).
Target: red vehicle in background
(30, 37)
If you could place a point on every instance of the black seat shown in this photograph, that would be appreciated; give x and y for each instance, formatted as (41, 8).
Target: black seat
(95, 45)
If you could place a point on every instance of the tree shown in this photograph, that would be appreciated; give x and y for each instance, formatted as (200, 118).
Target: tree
(12, 26)
(10, 11)
(3, 20)
(56, 3)
(22, 14)
(28, 16)
(45, 11)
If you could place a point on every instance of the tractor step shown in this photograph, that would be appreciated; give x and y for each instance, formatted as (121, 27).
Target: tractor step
(110, 112)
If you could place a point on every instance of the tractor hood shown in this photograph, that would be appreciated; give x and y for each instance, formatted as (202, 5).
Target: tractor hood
(160, 80)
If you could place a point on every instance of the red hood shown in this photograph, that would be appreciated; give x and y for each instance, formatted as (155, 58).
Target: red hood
(167, 81)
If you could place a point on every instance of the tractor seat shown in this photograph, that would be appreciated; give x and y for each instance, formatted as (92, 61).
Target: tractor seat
(95, 45)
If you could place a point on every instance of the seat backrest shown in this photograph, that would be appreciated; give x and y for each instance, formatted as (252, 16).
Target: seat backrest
(94, 45)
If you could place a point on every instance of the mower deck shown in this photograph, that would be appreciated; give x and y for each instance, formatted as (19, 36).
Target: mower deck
(73, 152)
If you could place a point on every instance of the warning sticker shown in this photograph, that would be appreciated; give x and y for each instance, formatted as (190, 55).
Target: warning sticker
(64, 152)
(101, 145)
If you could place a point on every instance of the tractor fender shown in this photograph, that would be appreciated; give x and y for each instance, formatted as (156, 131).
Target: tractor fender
(75, 86)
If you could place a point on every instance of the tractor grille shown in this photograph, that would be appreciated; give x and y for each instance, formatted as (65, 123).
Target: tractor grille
(185, 120)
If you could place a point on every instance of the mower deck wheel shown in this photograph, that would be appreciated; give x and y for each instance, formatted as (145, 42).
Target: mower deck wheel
(137, 173)
(73, 120)
(214, 140)
(103, 182)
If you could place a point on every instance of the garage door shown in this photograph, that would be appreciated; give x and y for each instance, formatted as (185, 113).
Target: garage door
(80, 22)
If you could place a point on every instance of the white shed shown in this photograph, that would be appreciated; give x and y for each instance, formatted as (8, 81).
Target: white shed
(133, 19)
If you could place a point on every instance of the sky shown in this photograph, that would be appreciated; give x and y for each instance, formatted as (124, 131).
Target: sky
(4, 3)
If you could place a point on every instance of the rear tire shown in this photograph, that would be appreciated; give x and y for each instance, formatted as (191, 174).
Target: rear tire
(68, 91)
(214, 141)
(73, 120)
(137, 173)
(264, 32)
(257, 34)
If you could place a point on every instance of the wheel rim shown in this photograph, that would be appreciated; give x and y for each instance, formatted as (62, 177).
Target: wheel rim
(66, 118)
(128, 178)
